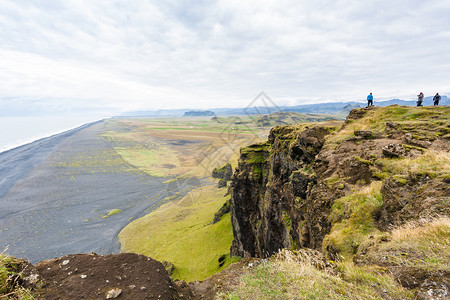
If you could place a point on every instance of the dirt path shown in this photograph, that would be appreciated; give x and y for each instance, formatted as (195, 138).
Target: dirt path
(58, 192)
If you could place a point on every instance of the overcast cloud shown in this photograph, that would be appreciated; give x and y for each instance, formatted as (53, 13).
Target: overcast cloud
(144, 55)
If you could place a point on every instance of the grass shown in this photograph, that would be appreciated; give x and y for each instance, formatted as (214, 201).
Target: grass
(163, 147)
(288, 277)
(159, 162)
(10, 288)
(423, 122)
(431, 163)
(423, 243)
(113, 212)
(181, 232)
(352, 221)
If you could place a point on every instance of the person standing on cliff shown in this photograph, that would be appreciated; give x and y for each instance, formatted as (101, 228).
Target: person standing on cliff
(370, 100)
(420, 99)
(436, 99)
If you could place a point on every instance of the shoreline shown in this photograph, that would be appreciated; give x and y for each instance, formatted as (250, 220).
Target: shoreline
(39, 137)
(56, 193)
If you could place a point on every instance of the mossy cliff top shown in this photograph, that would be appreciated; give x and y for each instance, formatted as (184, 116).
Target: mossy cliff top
(343, 187)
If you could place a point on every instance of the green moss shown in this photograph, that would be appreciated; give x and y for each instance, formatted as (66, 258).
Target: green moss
(424, 123)
(352, 220)
(400, 179)
(335, 178)
(409, 148)
(364, 161)
(286, 220)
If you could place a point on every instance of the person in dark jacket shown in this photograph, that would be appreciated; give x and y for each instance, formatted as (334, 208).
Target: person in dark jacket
(420, 99)
(436, 99)
(370, 100)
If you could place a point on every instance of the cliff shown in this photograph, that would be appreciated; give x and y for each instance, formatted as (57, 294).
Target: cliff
(326, 186)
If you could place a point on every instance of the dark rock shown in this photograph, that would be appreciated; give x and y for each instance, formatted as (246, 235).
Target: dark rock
(394, 150)
(270, 215)
(224, 172)
(363, 133)
(415, 142)
(222, 211)
(410, 198)
(222, 183)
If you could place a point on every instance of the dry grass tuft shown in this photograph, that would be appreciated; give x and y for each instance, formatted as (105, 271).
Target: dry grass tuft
(421, 244)
(432, 163)
(295, 275)
(438, 229)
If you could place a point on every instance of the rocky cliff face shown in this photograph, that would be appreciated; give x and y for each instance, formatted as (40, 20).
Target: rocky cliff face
(284, 190)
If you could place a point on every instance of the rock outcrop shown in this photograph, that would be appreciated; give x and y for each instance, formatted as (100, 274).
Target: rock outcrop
(283, 190)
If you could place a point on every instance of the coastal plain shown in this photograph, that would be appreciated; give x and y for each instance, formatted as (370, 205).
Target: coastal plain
(74, 192)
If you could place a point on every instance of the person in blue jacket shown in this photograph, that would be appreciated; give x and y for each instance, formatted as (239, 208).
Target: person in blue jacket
(369, 100)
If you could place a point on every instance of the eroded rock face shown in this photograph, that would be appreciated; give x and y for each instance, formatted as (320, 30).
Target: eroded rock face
(269, 197)
(283, 190)
(413, 198)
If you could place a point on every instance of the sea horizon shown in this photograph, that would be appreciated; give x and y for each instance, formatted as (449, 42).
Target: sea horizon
(19, 131)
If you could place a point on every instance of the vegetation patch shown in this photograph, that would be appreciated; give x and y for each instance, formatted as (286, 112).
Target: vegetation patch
(155, 162)
(420, 244)
(12, 279)
(285, 277)
(182, 233)
(431, 163)
(422, 122)
(352, 221)
(114, 212)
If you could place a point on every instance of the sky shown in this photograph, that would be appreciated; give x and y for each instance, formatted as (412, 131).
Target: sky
(116, 56)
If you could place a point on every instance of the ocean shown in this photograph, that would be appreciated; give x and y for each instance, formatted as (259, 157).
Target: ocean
(18, 131)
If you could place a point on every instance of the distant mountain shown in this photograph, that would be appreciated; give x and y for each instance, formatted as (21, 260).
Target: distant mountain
(199, 113)
(155, 113)
(323, 108)
(286, 118)
(426, 102)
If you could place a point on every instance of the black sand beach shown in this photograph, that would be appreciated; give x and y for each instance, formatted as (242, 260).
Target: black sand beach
(55, 194)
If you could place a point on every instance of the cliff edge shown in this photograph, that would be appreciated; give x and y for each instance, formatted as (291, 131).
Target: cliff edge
(343, 187)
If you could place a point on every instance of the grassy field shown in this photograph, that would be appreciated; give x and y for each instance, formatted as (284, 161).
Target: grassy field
(181, 232)
(180, 147)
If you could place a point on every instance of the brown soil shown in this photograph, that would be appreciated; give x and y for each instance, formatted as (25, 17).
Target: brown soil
(91, 276)
(223, 282)
(124, 276)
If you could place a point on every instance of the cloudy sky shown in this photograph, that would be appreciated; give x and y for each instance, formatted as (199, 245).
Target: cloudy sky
(145, 55)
